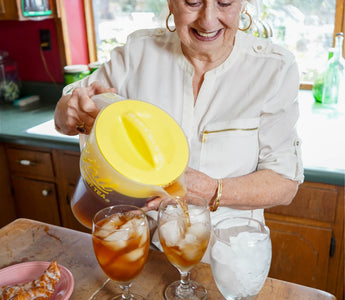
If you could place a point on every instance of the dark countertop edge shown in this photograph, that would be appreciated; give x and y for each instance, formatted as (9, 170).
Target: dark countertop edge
(323, 175)
(320, 175)
(42, 141)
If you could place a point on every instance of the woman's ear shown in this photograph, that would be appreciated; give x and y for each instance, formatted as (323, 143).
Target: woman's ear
(243, 6)
(170, 5)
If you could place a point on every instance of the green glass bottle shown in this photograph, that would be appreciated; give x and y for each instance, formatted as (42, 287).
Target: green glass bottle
(333, 94)
(318, 83)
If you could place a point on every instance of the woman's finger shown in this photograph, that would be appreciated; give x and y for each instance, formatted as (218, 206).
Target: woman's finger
(96, 88)
(153, 204)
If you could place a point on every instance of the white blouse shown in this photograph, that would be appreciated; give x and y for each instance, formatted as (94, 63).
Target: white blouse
(244, 118)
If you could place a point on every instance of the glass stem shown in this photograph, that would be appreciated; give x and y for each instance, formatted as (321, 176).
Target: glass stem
(185, 278)
(126, 294)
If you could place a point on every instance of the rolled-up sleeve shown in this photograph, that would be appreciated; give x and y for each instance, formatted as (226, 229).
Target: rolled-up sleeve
(280, 146)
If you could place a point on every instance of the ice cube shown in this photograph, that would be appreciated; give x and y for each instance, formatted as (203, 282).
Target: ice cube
(135, 254)
(197, 212)
(191, 251)
(118, 235)
(141, 228)
(222, 263)
(112, 223)
(199, 230)
(108, 227)
(189, 238)
(116, 245)
(172, 232)
(242, 267)
(130, 224)
(101, 234)
(143, 237)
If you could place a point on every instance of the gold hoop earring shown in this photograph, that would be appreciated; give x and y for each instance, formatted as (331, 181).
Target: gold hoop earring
(167, 22)
(250, 21)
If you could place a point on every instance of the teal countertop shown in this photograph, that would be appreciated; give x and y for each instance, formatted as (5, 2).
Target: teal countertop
(322, 133)
(15, 121)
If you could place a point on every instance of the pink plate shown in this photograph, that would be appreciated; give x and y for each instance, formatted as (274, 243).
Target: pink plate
(28, 271)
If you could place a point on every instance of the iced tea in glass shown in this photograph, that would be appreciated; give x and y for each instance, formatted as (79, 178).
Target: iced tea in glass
(120, 237)
(184, 228)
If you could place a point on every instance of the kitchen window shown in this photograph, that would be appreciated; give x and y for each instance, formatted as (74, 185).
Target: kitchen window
(304, 27)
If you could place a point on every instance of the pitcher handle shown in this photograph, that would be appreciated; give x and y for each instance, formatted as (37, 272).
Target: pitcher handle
(101, 100)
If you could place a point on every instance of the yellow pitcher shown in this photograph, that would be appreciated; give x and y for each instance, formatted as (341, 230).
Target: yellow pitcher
(135, 152)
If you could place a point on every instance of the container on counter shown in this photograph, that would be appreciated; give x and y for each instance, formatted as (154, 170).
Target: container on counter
(333, 94)
(9, 78)
(94, 66)
(74, 73)
(319, 81)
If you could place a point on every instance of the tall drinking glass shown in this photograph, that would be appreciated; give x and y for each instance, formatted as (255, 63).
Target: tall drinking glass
(184, 231)
(120, 237)
(240, 257)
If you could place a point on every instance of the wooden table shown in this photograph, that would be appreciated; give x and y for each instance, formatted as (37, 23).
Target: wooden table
(27, 240)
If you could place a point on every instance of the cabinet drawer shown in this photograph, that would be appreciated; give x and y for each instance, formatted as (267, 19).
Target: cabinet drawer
(30, 163)
(313, 201)
(36, 199)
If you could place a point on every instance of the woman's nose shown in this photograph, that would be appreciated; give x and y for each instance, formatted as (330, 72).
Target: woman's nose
(208, 16)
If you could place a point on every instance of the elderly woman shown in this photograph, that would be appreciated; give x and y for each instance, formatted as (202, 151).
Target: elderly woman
(234, 95)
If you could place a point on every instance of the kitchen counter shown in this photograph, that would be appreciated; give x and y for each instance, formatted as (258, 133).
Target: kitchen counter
(26, 240)
(322, 133)
(15, 121)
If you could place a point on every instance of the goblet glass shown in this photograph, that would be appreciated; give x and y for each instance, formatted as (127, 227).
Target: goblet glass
(184, 231)
(240, 257)
(120, 238)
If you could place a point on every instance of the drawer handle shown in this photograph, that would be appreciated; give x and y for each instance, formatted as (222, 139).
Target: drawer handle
(25, 162)
(45, 193)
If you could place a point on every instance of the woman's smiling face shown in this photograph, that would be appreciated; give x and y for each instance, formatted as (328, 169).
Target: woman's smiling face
(207, 28)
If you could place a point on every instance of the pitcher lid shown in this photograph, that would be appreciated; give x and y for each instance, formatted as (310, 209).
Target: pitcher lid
(142, 142)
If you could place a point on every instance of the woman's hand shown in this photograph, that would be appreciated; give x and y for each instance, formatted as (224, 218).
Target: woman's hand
(196, 183)
(201, 184)
(76, 113)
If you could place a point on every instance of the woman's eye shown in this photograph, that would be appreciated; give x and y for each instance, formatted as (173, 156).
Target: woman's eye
(224, 4)
(193, 3)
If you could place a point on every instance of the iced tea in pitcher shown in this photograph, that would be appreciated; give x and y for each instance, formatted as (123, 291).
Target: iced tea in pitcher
(85, 203)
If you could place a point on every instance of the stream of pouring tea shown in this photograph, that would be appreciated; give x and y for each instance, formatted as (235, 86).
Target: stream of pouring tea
(178, 191)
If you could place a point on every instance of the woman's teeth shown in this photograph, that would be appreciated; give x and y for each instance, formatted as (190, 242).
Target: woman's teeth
(207, 34)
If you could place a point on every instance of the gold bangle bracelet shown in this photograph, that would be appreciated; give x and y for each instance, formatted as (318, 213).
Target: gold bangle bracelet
(219, 195)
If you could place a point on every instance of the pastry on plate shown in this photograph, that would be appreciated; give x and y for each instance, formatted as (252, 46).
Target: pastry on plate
(40, 288)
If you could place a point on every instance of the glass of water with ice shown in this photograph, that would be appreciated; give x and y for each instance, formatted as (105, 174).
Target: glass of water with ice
(241, 254)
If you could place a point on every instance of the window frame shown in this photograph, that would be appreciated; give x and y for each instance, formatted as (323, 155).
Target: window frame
(339, 26)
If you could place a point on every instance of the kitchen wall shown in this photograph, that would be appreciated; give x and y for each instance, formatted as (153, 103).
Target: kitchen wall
(22, 40)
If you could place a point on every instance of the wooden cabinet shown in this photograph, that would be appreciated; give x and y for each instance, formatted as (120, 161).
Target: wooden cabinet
(7, 210)
(12, 10)
(36, 200)
(68, 174)
(43, 182)
(33, 182)
(35, 163)
(307, 238)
